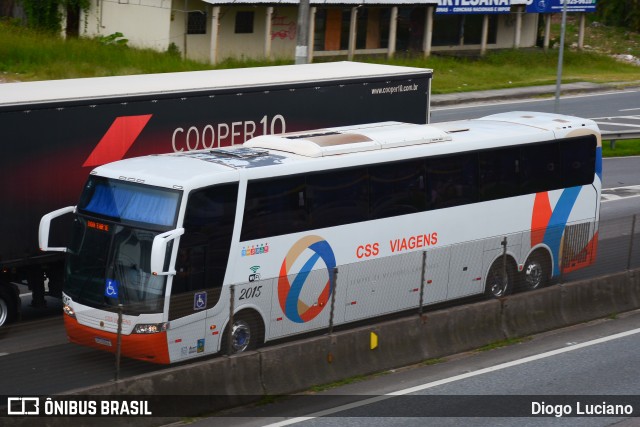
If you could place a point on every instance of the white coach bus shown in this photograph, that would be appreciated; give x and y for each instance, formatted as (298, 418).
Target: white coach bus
(173, 238)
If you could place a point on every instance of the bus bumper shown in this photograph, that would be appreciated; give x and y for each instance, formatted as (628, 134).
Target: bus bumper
(146, 347)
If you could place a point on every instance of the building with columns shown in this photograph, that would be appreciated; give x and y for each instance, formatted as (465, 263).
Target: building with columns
(214, 30)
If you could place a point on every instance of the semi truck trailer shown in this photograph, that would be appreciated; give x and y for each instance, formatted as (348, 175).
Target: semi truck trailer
(55, 132)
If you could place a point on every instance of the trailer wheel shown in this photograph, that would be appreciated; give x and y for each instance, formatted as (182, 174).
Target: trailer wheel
(247, 333)
(7, 308)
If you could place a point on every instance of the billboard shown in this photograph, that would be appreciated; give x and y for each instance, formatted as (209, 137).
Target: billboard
(446, 7)
(555, 6)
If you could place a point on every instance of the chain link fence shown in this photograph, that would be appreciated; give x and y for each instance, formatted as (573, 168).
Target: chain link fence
(618, 249)
(419, 280)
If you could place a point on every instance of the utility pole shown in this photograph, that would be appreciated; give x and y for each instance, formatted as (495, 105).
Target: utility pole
(556, 106)
(302, 40)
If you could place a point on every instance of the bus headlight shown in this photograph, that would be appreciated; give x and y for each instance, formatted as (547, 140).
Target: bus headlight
(66, 309)
(151, 328)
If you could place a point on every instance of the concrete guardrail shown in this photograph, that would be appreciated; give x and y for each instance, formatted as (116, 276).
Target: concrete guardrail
(292, 367)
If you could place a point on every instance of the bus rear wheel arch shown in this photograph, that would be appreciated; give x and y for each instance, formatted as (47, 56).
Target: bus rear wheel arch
(500, 280)
(247, 333)
(536, 272)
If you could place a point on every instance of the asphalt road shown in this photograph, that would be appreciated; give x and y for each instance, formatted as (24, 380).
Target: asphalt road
(593, 362)
(614, 111)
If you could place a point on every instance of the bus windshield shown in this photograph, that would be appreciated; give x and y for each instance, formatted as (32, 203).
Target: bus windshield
(108, 258)
(130, 202)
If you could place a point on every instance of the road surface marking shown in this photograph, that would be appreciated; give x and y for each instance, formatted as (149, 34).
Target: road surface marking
(474, 104)
(616, 117)
(455, 378)
(619, 193)
(617, 124)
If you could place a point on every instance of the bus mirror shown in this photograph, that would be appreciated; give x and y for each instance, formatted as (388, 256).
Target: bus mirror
(45, 228)
(159, 251)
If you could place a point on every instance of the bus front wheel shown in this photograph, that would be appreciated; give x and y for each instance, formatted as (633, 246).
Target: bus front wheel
(246, 333)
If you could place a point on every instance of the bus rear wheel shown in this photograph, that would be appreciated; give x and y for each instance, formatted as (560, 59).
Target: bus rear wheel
(246, 333)
(500, 281)
(535, 274)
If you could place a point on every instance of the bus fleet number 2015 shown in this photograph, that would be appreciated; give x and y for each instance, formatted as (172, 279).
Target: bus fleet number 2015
(253, 292)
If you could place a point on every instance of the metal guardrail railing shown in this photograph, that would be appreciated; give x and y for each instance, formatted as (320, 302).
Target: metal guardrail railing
(613, 136)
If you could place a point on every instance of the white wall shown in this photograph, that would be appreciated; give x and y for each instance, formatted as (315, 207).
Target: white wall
(283, 33)
(231, 45)
(506, 30)
(197, 44)
(145, 23)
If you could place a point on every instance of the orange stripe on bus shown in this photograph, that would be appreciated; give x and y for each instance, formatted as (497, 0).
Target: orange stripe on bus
(540, 218)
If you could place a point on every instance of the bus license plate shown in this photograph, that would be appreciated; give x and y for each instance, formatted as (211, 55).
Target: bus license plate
(103, 341)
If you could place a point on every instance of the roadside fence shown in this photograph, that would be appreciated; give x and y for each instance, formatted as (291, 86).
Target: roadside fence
(434, 277)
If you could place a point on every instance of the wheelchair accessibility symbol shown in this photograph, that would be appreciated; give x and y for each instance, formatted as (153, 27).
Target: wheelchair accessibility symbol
(200, 301)
(111, 288)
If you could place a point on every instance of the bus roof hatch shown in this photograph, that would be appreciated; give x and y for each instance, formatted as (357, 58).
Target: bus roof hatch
(350, 139)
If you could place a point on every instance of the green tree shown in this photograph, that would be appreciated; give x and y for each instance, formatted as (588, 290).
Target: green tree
(47, 14)
(620, 13)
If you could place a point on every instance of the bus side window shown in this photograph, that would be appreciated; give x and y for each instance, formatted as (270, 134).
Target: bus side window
(499, 170)
(190, 267)
(274, 207)
(578, 160)
(540, 168)
(452, 180)
(204, 248)
(397, 189)
(338, 197)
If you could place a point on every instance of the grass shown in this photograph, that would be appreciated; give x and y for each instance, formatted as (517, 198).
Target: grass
(29, 55)
(346, 381)
(360, 378)
(519, 68)
(503, 343)
(603, 39)
(623, 148)
(430, 362)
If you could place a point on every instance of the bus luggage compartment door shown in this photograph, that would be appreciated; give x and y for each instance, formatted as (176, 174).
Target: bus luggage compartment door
(382, 285)
(465, 269)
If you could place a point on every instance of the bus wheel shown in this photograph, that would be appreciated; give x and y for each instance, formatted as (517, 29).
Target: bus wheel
(4, 311)
(7, 309)
(535, 272)
(497, 285)
(246, 333)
